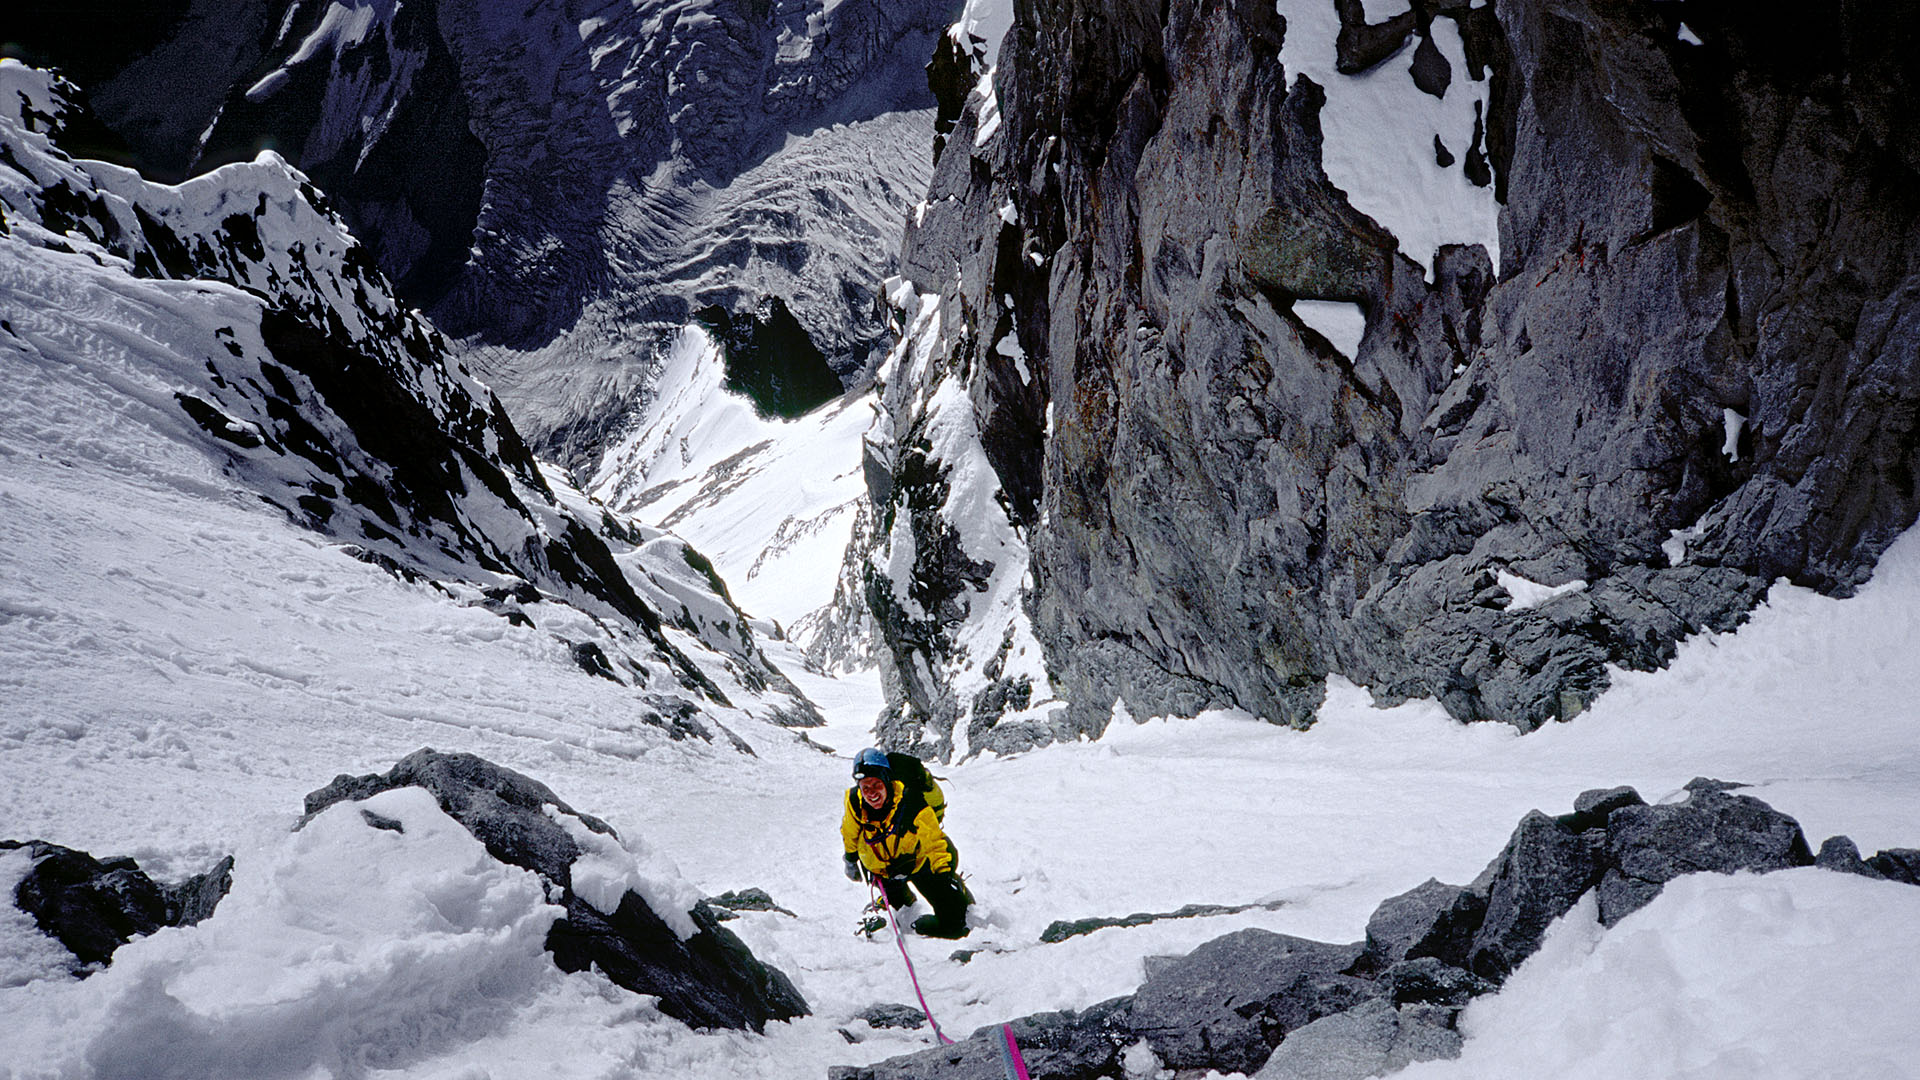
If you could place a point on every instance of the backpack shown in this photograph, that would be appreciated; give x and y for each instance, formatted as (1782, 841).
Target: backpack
(915, 780)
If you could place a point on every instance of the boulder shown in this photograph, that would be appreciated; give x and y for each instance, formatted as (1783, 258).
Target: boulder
(709, 979)
(1898, 864)
(1067, 1045)
(1544, 869)
(1591, 808)
(1430, 920)
(1371, 1039)
(1840, 854)
(1428, 981)
(1648, 846)
(94, 906)
(1227, 1004)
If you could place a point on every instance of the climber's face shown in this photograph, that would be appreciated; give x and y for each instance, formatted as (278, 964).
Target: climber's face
(874, 791)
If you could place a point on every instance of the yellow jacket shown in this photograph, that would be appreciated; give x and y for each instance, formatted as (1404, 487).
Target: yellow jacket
(895, 839)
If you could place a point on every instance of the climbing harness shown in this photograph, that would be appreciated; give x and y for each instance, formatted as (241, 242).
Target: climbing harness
(880, 897)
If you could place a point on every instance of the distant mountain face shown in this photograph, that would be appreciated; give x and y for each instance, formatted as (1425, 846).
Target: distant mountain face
(285, 353)
(562, 188)
(1463, 354)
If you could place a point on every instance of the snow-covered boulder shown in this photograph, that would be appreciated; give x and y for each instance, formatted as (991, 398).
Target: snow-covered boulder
(627, 911)
(93, 906)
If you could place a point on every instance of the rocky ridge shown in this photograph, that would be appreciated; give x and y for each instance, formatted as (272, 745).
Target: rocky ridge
(330, 399)
(559, 186)
(1284, 1008)
(1689, 374)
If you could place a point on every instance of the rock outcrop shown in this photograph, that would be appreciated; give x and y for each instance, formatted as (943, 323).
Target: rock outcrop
(1687, 371)
(94, 906)
(1280, 1008)
(706, 976)
(327, 397)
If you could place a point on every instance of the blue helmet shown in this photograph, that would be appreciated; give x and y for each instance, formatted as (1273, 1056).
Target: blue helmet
(872, 762)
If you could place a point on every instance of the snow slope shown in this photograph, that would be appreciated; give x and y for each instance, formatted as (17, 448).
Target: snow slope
(183, 665)
(771, 502)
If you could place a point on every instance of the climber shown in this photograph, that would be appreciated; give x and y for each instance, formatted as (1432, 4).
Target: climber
(892, 835)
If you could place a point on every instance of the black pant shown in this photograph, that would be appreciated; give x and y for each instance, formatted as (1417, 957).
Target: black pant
(942, 891)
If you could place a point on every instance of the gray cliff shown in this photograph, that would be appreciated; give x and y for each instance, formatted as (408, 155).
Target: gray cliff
(1691, 372)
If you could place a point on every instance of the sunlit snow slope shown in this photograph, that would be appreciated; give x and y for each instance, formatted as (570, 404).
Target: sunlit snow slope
(770, 501)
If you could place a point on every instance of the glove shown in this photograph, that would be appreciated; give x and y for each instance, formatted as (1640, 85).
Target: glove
(853, 866)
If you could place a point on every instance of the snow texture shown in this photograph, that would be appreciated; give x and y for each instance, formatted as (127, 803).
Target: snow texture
(1342, 324)
(771, 502)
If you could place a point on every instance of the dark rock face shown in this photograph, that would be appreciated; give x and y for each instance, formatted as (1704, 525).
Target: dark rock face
(1292, 1008)
(1433, 920)
(1228, 1003)
(1545, 868)
(1898, 864)
(708, 980)
(1372, 1039)
(1648, 846)
(93, 906)
(1703, 322)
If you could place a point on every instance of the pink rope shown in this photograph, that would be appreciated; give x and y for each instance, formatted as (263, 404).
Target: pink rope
(900, 939)
(1010, 1055)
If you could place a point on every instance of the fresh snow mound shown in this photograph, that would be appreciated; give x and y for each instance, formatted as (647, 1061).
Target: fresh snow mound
(1697, 984)
(342, 947)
